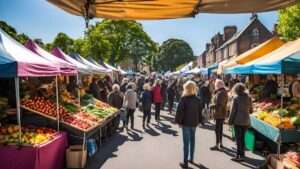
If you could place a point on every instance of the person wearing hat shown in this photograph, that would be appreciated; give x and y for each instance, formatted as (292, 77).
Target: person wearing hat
(220, 100)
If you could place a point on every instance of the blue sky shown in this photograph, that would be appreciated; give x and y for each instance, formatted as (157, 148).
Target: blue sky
(39, 19)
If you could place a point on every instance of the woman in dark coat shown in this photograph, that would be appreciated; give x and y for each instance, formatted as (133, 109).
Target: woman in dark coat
(241, 108)
(146, 99)
(188, 116)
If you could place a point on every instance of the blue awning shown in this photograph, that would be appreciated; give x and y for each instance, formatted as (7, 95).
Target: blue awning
(286, 65)
(212, 67)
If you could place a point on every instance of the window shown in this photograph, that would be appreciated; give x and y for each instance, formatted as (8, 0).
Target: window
(255, 34)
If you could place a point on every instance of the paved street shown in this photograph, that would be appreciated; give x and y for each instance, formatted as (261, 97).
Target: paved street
(160, 147)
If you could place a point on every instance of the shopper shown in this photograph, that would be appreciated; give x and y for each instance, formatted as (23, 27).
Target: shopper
(103, 91)
(171, 92)
(220, 111)
(115, 99)
(124, 85)
(94, 89)
(204, 93)
(188, 116)
(163, 93)
(146, 99)
(157, 99)
(241, 108)
(130, 101)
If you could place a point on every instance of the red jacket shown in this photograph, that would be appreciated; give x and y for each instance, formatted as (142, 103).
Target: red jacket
(156, 94)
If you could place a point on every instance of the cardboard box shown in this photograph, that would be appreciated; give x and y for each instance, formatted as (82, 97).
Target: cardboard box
(76, 156)
(274, 162)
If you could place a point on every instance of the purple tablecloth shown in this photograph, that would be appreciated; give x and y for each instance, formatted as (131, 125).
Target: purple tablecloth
(50, 155)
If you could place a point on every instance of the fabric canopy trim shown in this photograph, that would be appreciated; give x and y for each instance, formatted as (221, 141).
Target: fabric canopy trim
(28, 63)
(83, 69)
(66, 68)
(260, 65)
(111, 67)
(164, 9)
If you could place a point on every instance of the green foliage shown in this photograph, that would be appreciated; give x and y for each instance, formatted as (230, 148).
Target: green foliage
(289, 22)
(173, 53)
(22, 38)
(64, 42)
(116, 40)
(80, 46)
(9, 29)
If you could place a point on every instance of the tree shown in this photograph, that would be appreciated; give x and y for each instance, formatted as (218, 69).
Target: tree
(81, 47)
(115, 40)
(64, 42)
(173, 53)
(9, 29)
(289, 22)
(22, 38)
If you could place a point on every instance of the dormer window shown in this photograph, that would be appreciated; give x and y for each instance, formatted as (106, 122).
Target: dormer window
(255, 34)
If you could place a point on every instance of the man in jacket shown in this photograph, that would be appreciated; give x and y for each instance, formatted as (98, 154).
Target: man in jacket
(220, 106)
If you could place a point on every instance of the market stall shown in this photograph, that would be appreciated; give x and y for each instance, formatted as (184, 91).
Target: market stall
(23, 145)
(277, 119)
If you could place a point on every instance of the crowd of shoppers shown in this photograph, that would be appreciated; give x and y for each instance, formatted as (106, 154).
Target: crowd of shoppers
(193, 97)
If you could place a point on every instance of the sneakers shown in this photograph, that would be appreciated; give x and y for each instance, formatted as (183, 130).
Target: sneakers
(238, 158)
(184, 165)
(215, 148)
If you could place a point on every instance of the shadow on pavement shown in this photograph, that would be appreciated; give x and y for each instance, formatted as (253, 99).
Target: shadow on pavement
(151, 131)
(248, 162)
(168, 118)
(208, 126)
(134, 136)
(165, 129)
(106, 151)
(199, 166)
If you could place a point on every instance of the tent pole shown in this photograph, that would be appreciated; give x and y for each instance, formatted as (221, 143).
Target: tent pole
(282, 87)
(77, 79)
(17, 88)
(57, 102)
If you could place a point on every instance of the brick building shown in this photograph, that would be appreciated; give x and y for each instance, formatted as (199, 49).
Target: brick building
(232, 43)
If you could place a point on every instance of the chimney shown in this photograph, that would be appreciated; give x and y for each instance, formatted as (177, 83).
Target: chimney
(229, 31)
(207, 46)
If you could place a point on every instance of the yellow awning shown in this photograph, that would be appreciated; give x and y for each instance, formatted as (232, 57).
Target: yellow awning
(259, 50)
(164, 9)
(254, 53)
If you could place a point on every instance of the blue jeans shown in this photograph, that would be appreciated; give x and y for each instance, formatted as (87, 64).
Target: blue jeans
(188, 134)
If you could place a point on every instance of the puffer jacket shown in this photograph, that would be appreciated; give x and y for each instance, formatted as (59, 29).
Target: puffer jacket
(189, 111)
(220, 104)
(241, 108)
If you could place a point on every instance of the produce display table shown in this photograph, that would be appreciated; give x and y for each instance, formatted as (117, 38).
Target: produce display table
(50, 155)
(275, 134)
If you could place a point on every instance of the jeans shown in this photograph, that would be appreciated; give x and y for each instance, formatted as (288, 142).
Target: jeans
(157, 111)
(240, 135)
(147, 116)
(219, 131)
(188, 134)
(170, 104)
(130, 116)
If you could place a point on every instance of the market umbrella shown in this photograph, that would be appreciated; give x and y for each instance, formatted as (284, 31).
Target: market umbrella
(65, 67)
(8, 66)
(164, 9)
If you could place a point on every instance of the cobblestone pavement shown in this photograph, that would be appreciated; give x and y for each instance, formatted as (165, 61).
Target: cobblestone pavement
(160, 147)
